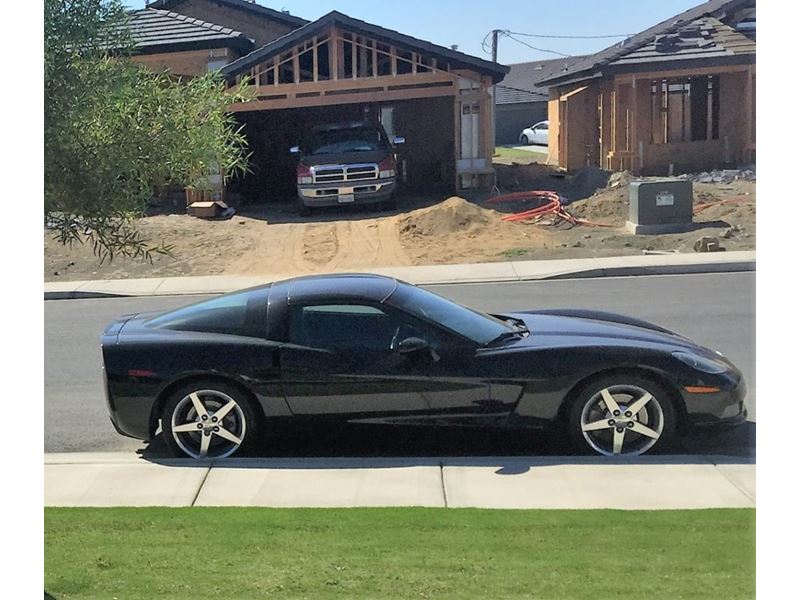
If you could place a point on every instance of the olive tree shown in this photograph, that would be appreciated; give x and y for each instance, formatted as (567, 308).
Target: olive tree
(115, 132)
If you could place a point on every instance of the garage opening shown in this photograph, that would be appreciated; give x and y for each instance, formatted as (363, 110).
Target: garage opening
(426, 161)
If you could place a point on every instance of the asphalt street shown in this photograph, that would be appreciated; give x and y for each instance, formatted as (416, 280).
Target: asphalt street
(716, 310)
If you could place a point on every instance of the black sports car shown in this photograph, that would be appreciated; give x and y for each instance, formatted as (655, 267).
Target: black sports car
(365, 348)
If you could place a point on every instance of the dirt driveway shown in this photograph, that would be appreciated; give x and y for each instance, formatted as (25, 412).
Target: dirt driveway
(424, 230)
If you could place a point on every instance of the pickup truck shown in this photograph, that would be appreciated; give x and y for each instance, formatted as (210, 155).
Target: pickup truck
(346, 163)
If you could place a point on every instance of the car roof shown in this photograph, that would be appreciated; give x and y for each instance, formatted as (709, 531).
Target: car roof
(338, 287)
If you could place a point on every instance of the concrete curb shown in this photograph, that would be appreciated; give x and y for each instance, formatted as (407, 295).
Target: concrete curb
(616, 266)
(519, 482)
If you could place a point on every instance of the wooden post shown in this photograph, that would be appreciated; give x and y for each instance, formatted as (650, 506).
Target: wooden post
(354, 56)
(296, 65)
(362, 54)
(393, 55)
(456, 139)
(335, 57)
(748, 137)
(634, 123)
(315, 68)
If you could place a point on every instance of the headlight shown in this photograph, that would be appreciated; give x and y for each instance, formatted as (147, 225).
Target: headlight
(706, 365)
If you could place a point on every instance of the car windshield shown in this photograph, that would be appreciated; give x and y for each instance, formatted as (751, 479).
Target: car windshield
(476, 326)
(338, 141)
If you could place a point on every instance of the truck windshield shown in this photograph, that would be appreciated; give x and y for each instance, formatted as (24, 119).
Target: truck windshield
(346, 140)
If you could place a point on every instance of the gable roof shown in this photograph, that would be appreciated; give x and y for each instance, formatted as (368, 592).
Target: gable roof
(519, 85)
(251, 7)
(154, 30)
(592, 65)
(702, 38)
(509, 95)
(456, 59)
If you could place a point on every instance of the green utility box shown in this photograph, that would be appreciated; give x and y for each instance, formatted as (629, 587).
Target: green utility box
(660, 206)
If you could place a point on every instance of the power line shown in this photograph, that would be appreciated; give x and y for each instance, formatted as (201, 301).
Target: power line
(511, 37)
(570, 37)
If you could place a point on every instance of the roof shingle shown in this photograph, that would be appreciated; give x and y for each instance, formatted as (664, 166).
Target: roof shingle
(588, 67)
(152, 29)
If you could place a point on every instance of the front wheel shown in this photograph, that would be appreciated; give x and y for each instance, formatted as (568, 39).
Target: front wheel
(303, 210)
(624, 415)
(208, 420)
(524, 140)
(390, 204)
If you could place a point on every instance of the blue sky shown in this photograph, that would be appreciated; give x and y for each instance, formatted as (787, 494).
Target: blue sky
(466, 22)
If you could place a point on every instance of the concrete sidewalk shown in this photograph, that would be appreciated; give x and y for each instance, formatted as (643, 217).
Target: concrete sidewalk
(660, 264)
(651, 483)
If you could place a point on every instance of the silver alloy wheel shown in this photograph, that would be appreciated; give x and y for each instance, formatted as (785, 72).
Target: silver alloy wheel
(208, 424)
(622, 420)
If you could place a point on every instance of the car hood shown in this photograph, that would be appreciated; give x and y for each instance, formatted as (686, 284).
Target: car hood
(347, 158)
(593, 326)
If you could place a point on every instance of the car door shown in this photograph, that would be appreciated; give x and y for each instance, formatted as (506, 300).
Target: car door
(541, 133)
(458, 389)
(339, 360)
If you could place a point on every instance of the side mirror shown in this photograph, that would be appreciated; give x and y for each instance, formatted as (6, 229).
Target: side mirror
(412, 345)
(398, 140)
(295, 149)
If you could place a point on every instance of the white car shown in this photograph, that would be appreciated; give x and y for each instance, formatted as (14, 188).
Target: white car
(535, 134)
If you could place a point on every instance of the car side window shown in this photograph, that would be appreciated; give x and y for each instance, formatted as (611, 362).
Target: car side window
(351, 327)
(224, 314)
(339, 327)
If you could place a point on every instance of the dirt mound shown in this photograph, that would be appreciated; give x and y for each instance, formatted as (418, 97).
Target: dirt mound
(609, 205)
(451, 216)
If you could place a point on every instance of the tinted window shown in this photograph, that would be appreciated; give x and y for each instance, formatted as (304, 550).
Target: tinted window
(476, 326)
(341, 327)
(225, 314)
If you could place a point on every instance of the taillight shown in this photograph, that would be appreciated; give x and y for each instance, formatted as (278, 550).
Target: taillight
(304, 175)
(387, 167)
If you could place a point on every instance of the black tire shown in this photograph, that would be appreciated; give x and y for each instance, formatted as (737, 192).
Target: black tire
(524, 140)
(589, 408)
(390, 204)
(240, 420)
(302, 209)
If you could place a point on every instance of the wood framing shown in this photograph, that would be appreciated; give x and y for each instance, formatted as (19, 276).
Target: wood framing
(650, 122)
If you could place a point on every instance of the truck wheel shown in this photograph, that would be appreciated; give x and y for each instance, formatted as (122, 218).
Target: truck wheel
(303, 210)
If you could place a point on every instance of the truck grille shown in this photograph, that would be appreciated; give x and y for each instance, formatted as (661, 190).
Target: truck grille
(344, 173)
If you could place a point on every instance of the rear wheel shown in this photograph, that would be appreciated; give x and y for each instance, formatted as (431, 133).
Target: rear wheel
(524, 140)
(208, 419)
(623, 415)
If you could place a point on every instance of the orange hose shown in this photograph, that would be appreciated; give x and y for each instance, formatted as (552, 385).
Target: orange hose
(701, 207)
(552, 206)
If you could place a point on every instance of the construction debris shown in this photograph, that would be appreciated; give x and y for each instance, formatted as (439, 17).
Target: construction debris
(708, 244)
(721, 176)
(209, 209)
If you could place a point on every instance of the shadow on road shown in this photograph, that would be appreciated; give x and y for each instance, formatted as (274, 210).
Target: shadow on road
(428, 445)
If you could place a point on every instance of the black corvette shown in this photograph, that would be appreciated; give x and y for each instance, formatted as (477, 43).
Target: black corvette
(365, 348)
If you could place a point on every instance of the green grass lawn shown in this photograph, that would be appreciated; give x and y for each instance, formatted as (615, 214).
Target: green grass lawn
(130, 553)
(503, 152)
